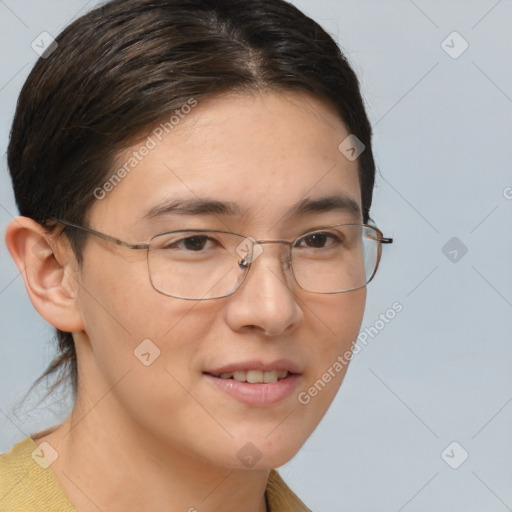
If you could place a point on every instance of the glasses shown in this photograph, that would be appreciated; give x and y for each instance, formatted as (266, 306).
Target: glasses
(205, 264)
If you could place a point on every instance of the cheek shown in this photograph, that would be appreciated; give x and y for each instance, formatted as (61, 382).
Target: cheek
(125, 317)
(336, 319)
(334, 323)
(144, 347)
(116, 296)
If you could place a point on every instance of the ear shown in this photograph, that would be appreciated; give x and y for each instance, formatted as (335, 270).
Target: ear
(49, 269)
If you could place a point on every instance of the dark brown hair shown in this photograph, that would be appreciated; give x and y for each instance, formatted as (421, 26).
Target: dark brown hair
(123, 67)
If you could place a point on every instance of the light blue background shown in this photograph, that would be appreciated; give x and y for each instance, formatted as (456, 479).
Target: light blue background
(440, 371)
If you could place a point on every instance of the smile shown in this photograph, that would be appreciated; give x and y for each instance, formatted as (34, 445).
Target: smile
(256, 384)
(254, 376)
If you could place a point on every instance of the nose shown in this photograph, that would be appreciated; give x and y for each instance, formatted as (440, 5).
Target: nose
(266, 302)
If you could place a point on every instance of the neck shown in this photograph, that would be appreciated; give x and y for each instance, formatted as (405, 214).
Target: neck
(105, 464)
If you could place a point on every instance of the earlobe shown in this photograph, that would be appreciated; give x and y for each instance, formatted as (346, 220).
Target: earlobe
(48, 268)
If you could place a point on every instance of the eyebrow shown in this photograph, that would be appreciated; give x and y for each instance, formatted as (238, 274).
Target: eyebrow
(339, 202)
(205, 206)
(193, 207)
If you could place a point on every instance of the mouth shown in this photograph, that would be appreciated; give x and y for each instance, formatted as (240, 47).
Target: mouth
(253, 376)
(256, 384)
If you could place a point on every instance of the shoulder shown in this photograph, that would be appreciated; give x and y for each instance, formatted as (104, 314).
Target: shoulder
(280, 498)
(28, 483)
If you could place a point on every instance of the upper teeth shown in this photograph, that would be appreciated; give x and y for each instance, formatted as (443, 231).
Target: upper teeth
(255, 376)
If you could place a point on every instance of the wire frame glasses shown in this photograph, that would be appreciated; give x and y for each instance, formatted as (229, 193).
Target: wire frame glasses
(208, 264)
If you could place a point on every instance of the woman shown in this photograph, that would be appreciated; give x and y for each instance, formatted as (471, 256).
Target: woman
(194, 179)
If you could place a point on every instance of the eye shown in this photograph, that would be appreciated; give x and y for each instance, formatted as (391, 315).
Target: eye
(195, 243)
(318, 240)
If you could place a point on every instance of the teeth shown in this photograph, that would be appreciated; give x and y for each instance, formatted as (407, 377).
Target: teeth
(240, 376)
(269, 377)
(255, 376)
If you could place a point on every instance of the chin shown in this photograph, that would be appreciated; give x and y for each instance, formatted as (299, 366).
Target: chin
(260, 452)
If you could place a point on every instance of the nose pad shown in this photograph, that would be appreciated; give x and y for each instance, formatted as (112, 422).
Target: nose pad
(286, 260)
(249, 250)
(243, 264)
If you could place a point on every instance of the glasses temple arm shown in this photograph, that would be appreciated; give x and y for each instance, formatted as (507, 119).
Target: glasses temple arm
(103, 235)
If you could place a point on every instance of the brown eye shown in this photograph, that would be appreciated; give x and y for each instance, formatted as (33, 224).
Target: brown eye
(317, 240)
(195, 243)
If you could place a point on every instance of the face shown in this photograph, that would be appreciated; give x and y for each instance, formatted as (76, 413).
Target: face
(262, 156)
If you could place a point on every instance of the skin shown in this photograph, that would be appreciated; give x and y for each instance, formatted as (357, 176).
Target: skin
(166, 438)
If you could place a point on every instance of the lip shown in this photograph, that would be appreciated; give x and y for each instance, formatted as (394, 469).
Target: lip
(257, 395)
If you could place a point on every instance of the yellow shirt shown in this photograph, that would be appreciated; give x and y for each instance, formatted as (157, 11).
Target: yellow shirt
(26, 487)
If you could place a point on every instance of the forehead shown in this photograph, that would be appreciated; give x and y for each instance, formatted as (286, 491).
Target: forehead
(263, 153)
